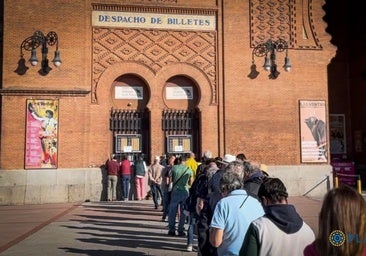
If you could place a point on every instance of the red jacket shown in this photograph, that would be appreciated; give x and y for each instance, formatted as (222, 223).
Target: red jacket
(125, 167)
(112, 167)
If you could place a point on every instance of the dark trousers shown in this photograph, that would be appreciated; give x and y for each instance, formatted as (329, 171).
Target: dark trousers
(166, 202)
(156, 190)
(203, 229)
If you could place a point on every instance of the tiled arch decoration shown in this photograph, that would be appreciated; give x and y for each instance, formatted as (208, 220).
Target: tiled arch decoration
(154, 48)
(290, 20)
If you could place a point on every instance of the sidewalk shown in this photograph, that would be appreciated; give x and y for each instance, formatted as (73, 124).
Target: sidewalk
(131, 228)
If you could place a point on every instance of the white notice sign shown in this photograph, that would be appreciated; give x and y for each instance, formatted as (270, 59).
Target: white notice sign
(179, 93)
(129, 92)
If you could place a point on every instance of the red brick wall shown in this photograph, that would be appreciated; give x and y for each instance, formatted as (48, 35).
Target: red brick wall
(259, 117)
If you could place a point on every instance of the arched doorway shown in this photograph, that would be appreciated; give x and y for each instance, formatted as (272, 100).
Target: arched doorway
(181, 118)
(129, 121)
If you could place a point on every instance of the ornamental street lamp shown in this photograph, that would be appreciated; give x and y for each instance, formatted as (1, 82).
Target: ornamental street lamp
(270, 48)
(31, 44)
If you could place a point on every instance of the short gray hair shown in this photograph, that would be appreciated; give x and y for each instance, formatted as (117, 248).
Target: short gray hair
(230, 181)
(236, 167)
(207, 154)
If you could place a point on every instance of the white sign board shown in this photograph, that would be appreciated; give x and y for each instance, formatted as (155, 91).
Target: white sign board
(154, 20)
(179, 93)
(129, 92)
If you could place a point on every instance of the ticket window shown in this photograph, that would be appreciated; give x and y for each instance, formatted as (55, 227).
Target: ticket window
(179, 144)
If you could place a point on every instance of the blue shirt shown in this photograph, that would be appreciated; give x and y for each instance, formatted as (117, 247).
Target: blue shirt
(233, 214)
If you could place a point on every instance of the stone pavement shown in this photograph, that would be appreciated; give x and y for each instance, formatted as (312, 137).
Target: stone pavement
(132, 228)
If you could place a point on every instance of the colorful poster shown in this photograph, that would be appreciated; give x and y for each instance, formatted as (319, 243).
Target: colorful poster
(337, 130)
(41, 134)
(313, 131)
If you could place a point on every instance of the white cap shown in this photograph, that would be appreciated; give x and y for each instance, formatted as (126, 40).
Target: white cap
(228, 158)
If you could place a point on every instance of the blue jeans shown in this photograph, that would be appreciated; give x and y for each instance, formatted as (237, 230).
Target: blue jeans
(166, 201)
(178, 198)
(156, 190)
(126, 183)
(191, 227)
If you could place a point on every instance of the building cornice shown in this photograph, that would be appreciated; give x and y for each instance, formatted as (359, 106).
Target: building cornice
(44, 92)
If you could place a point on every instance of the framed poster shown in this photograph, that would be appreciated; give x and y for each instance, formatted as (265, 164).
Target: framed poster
(179, 143)
(128, 143)
(337, 136)
(313, 131)
(41, 134)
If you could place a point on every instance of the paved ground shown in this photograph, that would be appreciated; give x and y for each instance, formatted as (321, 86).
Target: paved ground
(131, 228)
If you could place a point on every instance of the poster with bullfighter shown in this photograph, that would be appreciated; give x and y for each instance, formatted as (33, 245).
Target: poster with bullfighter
(313, 131)
(41, 134)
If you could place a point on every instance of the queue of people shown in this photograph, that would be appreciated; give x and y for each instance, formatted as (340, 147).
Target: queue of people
(123, 170)
(233, 207)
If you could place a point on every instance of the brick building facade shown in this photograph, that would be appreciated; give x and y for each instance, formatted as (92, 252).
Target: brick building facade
(201, 74)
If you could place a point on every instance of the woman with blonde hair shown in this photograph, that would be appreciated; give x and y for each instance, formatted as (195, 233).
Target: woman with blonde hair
(342, 225)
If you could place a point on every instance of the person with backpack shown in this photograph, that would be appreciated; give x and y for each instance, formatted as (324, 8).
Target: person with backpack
(194, 192)
(253, 178)
(140, 169)
(203, 209)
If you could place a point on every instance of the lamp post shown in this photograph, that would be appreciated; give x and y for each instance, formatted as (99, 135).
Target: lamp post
(39, 39)
(271, 48)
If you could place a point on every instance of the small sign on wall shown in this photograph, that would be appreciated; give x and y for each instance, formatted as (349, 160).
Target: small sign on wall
(129, 92)
(179, 92)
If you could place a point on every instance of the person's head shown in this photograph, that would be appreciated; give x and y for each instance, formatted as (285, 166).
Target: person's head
(343, 209)
(156, 159)
(241, 157)
(210, 168)
(210, 161)
(206, 155)
(226, 160)
(272, 191)
(250, 168)
(236, 167)
(49, 113)
(230, 180)
(218, 161)
(171, 159)
(180, 160)
(191, 155)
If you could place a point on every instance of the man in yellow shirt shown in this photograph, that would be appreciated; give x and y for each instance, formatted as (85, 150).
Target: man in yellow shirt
(192, 163)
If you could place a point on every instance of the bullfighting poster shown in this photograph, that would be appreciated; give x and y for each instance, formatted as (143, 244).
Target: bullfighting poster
(41, 134)
(313, 131)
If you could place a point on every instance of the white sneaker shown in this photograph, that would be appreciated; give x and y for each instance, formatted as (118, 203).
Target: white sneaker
(189, 248)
